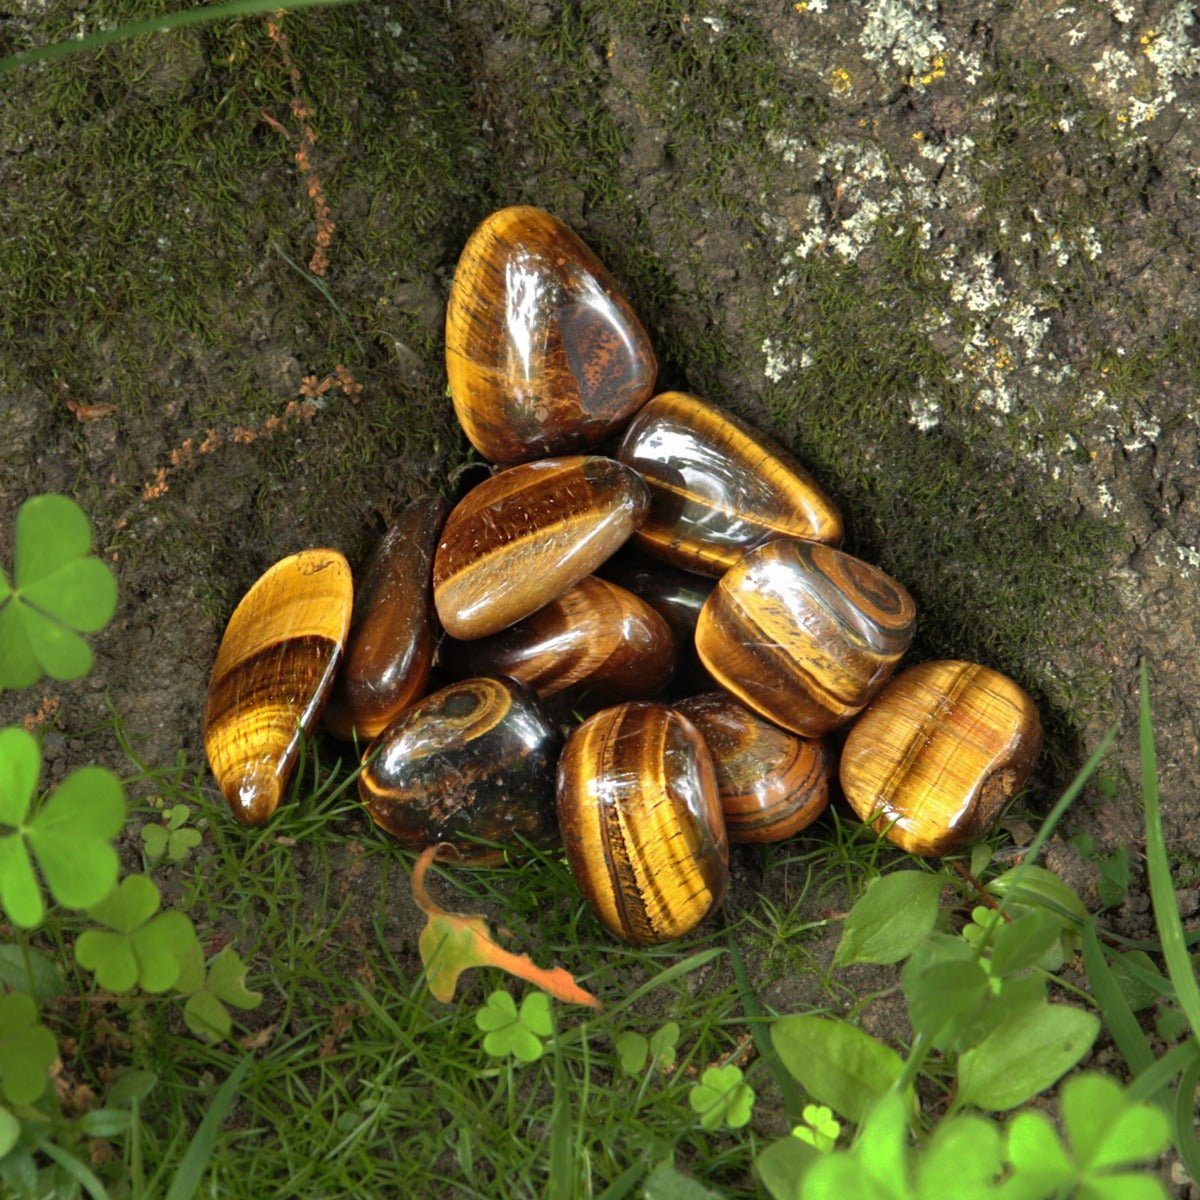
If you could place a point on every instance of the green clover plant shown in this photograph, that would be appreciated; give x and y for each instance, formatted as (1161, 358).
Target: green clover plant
(208, 994)
(170, 837)
(633, 1049)
(508, 1031)
(27, 1048)
(722, 1098)
(820, 1130)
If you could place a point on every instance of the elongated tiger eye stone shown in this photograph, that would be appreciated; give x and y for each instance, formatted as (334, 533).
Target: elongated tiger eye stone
(393, 628)
(544, 354)
(772, 784)
(475, 760)
(641, 822)
(718, 487)
(939, 753)
(527, 535)
(804, 634)
(273, 672)
(597, 637)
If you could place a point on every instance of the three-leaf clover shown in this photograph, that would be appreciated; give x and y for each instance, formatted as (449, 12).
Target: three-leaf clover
(633, 1049)
(510, 1032)
(142, 948)
(69, 835)
(206, 1013)
(722, 1097)
(820, 1129)
(58, 591)
(27, 1048)
(170, 838)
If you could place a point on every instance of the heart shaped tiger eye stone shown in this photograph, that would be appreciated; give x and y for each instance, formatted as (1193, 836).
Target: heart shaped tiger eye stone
(641, 822)
(596, 637)
(273, 672)
(718, 487)
(474, 760)
(529, 534)
(392, 629)
(938, 753)
(543, 353)
(772, 784)
(804, 634)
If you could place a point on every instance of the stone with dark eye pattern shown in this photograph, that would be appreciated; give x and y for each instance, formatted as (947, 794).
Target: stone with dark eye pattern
(393, 628)
(475, 760)
(272, 675)
(597, 638)
(529, 534)
(718, 487)
(804, 634)
(772, 784)
(543, 353)
(938, 754)
(641, 822)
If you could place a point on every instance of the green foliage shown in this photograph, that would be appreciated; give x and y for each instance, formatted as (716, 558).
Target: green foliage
(69, 834)
(10, 1131)
(171, 837)
(1114, 869)
(633, 1049)
(58, 591)
(27, 1048)
(891, 918)
(722, 1098)
(508, 1031)
(209, 994)
(27, 967)
(820, 1130)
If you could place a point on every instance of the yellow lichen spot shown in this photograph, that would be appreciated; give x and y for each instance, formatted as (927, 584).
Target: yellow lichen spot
(1147, 40)
(801, 7)
(918, 136)
(937, 70)
(840, 82)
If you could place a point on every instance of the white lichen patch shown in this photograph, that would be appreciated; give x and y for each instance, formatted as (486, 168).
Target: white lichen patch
(779, 363)
(903, 32)
(924, 411)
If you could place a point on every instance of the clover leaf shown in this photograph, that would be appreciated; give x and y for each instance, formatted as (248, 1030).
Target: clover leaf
(59, 591)
(27, 1048)
(510, 1032)
(722, 1098)
(633, 1049)
(69, 835)
(170, 838)
(10, 1131)
(206, 1013)
(142, 948)
(820, 1129)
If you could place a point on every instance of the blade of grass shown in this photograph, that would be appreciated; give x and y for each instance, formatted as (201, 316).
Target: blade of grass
(1162, 887)
(73, 1167)
(199, 1151)
(1118, 1016)
(1185, 1120)
(692, 963)
(1160, 1073)
(562, 1174)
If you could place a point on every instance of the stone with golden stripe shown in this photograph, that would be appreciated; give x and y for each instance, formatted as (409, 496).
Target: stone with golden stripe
(597, 638)
(718, 487)
(772, 784)
(804, 634)
(527, 535)
(470, 764)
(641, 822)
(273, 672)
(543, 353)
(939, 753)
(393, 629)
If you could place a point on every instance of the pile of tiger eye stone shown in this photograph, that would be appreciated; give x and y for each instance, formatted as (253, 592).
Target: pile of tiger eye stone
(627, 549)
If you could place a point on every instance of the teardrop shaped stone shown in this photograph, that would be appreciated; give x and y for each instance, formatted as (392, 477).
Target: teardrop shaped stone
(273, 672)
(543, 353)
(718, 487)
(393, 629)
(527, 535)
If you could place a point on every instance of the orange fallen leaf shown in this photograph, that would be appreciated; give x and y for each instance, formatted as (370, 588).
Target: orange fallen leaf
(452, 942)
(91, 412)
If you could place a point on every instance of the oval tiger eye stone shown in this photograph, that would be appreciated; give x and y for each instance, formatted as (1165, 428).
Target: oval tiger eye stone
(641, 822)
(939, 753)
(527, 535)
(804, 634)
(772, 784)
(392, 629)
(596, 637)
(543, 353)
(718, 487)
(474, 760)
(273, 671)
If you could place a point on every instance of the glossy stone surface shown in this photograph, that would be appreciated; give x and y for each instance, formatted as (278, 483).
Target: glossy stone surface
(529, 534)
(596, 638)
(677, 596)
(718, 487)
(393, 629)
(772, 784)
(543, 353)
(473, 760)
(273, 672)
(939, 753)
(804, 634)
(641, 822)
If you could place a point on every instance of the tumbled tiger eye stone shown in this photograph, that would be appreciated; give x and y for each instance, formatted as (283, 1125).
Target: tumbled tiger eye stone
(718, 487)
(804, 634)
(677, 596)
(772, 784)
(528, 534)
(596, 637)
(543, 353)
(392, 630)
(273, 671)
(938, 753)
(475, 760)
(641, 822)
